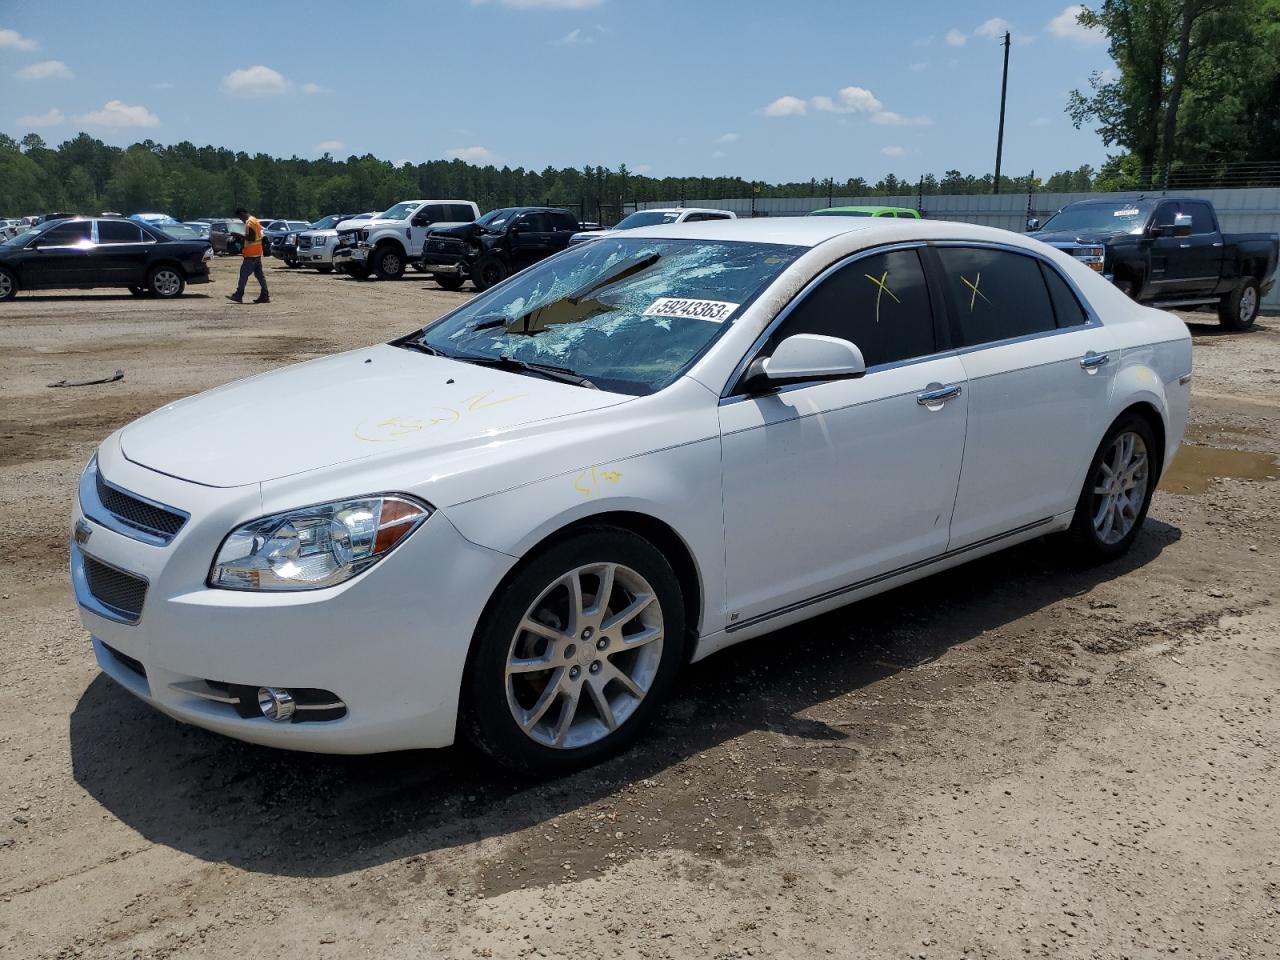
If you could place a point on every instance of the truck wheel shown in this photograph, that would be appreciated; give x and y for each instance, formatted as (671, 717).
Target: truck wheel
(1239, 308)
(388, 263)
(488, 271)
(325, 268)
(448, 281)
(418, 266)
(356, 272)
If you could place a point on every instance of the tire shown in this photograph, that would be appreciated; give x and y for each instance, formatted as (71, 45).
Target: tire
(166, 282)
(388, 262)
(1127, 287)
(138, 291)
(1098, 532)
(448, 281)
(418, 266)
(564, 707)
(487, 271)
(291, 264)
(1239, 308)
(8, 285)
(355, 272)
(325, 268)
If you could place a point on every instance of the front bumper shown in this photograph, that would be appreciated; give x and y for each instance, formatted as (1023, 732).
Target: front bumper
(390, 644)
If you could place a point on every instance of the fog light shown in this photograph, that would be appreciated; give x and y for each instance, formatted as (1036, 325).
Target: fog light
(276, 704)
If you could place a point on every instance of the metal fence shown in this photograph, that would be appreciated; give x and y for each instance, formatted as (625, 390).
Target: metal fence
(1240, 211)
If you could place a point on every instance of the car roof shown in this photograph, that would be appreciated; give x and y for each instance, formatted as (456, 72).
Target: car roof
(812, 231)
(862, 209)
(682, 210)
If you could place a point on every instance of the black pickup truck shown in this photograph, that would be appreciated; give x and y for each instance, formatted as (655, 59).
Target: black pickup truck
(1168, 252)
(495, 246)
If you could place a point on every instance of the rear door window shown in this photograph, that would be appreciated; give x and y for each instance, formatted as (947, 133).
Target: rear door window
(880, 303)
(1066, 308)
(119, 231)
(997, 294)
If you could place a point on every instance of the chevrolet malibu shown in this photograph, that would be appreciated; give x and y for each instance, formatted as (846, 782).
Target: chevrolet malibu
(518, 523)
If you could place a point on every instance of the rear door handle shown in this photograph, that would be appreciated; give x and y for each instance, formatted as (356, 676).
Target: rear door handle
(938, 396)
(1093, 360)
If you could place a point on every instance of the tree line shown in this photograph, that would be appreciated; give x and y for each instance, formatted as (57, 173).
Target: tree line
(1198, 86)
(86, 175)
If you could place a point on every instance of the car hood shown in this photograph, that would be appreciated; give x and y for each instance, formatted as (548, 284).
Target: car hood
(375, 402)
(1075, 236)
(462, 231)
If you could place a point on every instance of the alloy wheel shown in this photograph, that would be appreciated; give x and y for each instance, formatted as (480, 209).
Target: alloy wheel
(1248, 304)
(6, 286)
(166, 283)
(584, 656)
(1120, 487)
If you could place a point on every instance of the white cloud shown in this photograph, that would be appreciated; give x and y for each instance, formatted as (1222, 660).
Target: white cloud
(1040, 122)
(542, 4)
(718, 154)
(46, 70)
(917, 67)
(120, 115)
(313, 88)
(330, 146)
(785, 107)
(470, 154)
(575, 38)
(993, 29)
(956, 39)
(256, 81)
(52, 118)
(848, 100)
(727, 138)
(13, 40)
(887, 118)
(1066, 26)
(892, 151)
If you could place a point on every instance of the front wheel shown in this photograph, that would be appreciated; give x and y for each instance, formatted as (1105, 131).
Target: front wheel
(488, 271)
(166, 283)
(388, 263)
(448, 281)
(575, 653)
(1239, 308)
(8, 285)
(325, 268)
(1117, 491)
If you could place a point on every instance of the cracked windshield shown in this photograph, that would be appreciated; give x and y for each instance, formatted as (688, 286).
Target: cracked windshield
(627, 315)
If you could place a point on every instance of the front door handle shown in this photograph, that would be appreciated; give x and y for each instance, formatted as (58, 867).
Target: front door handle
(1091, 360)
(938, 395)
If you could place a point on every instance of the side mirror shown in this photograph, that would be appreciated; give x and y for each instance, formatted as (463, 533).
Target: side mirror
(1181, 225)
(803, 358)
(1033, 223)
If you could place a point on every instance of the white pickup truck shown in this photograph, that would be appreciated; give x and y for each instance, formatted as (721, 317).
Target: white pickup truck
(385, 245)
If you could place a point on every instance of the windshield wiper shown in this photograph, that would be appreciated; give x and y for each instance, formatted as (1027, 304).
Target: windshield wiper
(508, 362)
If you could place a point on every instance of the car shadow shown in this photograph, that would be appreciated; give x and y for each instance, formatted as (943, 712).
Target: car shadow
(1212, 328)
(294, 814)
(97, 297)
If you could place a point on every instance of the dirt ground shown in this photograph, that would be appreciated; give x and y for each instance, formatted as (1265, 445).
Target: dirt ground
(1015, 758)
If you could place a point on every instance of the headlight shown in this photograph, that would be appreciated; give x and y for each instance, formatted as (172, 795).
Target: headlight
(315, 547)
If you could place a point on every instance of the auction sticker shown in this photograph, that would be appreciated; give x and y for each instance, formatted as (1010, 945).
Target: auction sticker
(717, 311)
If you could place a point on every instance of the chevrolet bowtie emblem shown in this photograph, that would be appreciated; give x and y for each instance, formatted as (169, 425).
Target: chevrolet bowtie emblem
(82, 533)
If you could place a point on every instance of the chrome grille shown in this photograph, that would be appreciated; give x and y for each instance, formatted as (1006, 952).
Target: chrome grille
(304, 243)
(120, 592)
(139, 514)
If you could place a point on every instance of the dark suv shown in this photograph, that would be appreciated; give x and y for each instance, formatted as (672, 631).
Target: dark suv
(496, 246)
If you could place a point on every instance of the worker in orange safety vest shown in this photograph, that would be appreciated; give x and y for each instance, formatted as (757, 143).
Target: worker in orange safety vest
(252, 259)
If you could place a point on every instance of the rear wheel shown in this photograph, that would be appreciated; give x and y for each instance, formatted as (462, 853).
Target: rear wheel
(388, 263)
(575, 653)
(8, 285)
(1239, 308)
(488, 270)
(448, 281)
(1117, 491)
(166, 282)
(325, 268)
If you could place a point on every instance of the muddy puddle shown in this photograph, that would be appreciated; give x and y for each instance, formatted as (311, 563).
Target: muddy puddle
(1195, 468)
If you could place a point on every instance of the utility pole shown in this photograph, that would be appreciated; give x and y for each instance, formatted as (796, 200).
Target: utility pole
(1004, 88)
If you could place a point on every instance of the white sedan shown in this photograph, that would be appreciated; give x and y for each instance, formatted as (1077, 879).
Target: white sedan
(521, 521)
(656, 217)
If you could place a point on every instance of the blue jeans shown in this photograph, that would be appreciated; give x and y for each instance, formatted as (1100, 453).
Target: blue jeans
(251, 266)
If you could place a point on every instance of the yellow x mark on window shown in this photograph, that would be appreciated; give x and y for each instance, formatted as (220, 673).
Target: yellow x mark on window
(881, 291)
(973, 299)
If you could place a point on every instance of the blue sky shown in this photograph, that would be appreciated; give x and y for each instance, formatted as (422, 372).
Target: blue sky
(809, 88)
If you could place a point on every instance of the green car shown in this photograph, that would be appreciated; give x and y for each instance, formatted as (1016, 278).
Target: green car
(867, 212)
